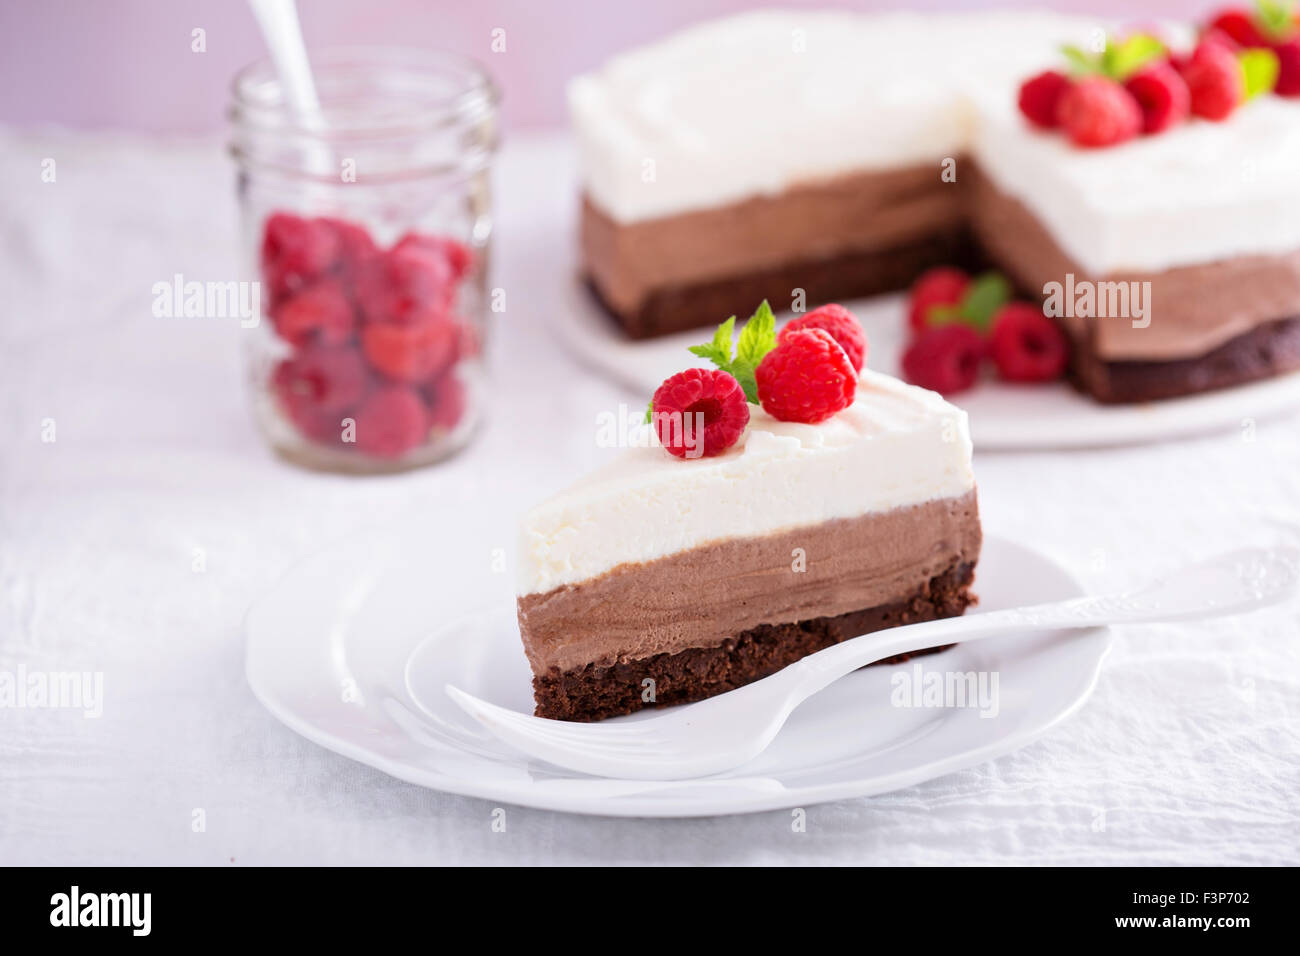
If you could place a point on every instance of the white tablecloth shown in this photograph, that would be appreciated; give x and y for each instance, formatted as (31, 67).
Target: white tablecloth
(1189, 751)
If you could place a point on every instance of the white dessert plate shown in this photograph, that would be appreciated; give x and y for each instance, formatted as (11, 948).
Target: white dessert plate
(1002, 417)
(353, 647)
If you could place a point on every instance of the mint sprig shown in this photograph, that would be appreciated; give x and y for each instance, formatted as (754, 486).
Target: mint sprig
(1276, 18)
(984, 296)
(1119, 60)
(757, 338)
(1260, 67)
(1082, 63)
(719, 350)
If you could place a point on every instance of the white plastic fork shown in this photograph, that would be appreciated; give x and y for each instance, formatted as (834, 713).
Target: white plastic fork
(695, 740)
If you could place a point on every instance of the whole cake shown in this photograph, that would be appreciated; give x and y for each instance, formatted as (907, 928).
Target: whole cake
(843, 154)
(809, 507)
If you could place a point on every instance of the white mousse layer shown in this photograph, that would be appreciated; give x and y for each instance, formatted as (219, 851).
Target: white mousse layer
(750, 104)
(756, 103)
(1198, 193)
(897, 445)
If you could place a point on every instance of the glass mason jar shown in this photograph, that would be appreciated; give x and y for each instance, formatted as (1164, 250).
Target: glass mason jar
(367, 224)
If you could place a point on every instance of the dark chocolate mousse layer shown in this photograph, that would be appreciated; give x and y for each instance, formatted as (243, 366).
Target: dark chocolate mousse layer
(595, 692)
(1260, 353)
(706, 595)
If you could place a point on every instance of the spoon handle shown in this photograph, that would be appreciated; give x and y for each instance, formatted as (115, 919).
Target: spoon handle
(1227, 584)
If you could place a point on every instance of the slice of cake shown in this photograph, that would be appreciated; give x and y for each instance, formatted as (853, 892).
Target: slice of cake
(841, 154)
(1176, 256)
(668, 577)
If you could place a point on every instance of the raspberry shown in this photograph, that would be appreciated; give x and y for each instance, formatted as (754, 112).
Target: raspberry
(296, 251)
(806, 378)
(712, 393)
(1214, 78)
(841, 325)
(310, 420)
(405, 286)
(316, 387)
(1026, 345)
(1162, 96)
(333, 379)
(356, 248)
(1288, 68)
(1097, 111)
(410, 353)
(1238, 25)
(945, 358)
(391, 421)
(1040, 98)
(321, 312)
(446, 396)
(457, 255)
(942, 286)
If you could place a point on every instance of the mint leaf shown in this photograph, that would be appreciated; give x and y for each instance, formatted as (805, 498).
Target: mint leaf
(711, 353)
(987, 293)
(944, 315)
(745, 376)
(1275, 17)
(757, 338)
(718, 351)
(1260, 66)
(1121, 60)
(722, 337)
(1082, 63)
(650, 412)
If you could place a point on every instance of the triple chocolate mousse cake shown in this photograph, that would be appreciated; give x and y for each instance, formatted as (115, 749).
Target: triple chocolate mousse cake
(842, 154)
(662, 579)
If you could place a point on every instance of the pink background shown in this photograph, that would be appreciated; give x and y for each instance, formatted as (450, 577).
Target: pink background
(127, 64)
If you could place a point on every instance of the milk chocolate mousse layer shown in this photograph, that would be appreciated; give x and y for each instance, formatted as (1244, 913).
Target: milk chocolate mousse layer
(595, 691)
(1210, 326)
(1192, 309)
(874, 232)
(851, 235)
(710, 594)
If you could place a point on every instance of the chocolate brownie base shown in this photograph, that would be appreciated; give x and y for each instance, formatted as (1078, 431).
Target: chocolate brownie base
(1262, 352)
(846, 276)
(593, 693)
